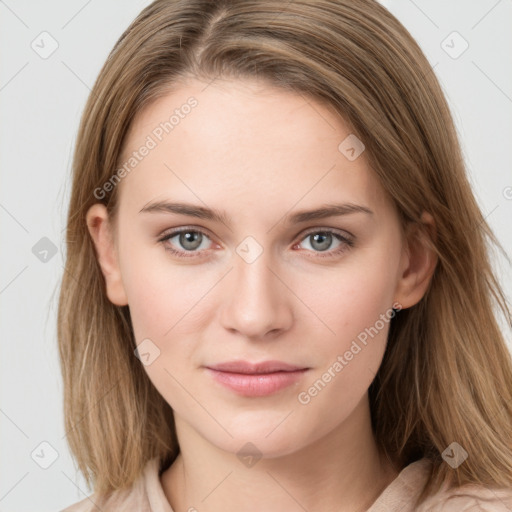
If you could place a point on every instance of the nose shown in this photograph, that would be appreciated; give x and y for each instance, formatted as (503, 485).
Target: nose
(259, 304)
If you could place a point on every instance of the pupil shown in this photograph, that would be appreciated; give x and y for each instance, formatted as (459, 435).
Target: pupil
(190, 239)
(324, 236)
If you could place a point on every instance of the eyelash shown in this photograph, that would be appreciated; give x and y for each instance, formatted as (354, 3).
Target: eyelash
(347, 243)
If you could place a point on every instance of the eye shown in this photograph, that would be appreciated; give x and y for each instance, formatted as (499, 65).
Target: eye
(191, 240)
(321, 240)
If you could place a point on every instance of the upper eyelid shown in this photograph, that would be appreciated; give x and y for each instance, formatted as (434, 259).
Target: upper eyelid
(341, 232)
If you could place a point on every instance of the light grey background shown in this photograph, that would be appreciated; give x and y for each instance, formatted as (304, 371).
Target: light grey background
(41, 100)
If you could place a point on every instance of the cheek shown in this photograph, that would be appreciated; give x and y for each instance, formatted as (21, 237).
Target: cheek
(358, 312)
(355, 308)
(161, 295)
(161, 300)
(354, 297)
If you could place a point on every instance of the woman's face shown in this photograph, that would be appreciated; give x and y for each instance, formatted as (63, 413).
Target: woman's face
(253, 277)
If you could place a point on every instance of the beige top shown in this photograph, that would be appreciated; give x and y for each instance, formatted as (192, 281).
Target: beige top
(147, 495)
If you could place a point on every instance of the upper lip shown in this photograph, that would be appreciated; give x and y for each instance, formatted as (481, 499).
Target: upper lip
(255, 368)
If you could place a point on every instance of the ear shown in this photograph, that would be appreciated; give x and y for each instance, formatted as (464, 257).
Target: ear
(418, 262)
(100, 230)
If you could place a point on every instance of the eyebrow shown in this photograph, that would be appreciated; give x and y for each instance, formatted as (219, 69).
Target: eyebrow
(328, 210)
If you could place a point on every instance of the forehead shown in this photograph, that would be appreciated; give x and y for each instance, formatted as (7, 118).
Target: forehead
(244, 140)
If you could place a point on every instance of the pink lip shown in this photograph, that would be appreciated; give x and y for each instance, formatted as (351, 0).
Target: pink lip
(256, 379)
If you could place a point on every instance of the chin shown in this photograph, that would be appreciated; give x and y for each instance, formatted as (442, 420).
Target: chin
(268, 438)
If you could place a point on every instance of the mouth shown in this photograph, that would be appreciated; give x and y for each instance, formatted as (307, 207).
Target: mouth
(256, 379)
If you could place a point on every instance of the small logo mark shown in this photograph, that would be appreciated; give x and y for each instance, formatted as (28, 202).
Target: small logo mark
(44, 250)
(44, 455)
(249, 455)
(454, 455)
(146, 352)
(249, 249)
(454, 45)
(44, 45)
(351, 147)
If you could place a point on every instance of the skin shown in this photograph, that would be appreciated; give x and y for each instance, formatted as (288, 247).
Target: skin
(260, 153)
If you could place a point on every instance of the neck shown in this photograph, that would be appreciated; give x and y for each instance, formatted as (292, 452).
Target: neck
(342, 471)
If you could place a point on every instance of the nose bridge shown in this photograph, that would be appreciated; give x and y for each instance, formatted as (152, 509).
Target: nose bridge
(258, 300)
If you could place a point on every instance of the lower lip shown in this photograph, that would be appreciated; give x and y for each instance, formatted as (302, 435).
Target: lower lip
(257, 384)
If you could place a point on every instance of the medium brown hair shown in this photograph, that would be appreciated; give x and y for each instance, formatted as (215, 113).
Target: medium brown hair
(446, 374)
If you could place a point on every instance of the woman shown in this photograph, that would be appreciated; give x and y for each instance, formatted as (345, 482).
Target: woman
(278, 292)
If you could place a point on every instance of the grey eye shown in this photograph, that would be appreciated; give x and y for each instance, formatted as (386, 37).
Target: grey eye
(189, 239)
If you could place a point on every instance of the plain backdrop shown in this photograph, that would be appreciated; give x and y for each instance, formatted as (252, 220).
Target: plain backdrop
(51, 55)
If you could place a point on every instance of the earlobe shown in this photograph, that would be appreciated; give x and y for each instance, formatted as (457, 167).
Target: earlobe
(419, 261)
(100, 230)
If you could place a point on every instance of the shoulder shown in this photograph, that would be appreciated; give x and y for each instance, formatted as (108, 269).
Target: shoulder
(402, 493)
(86, 505)
(470, 498)
(137, 497)
(120, 500)
(81, 506)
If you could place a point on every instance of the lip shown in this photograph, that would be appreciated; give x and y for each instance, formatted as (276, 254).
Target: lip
(247, 367)
(256, 379)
